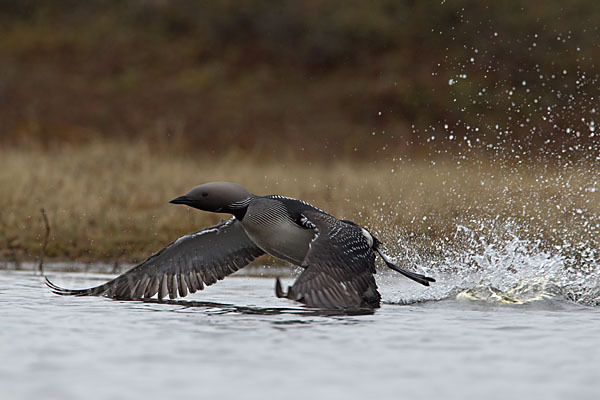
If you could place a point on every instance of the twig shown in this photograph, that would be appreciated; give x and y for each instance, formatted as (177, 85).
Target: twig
(12, 249)
(44, 243)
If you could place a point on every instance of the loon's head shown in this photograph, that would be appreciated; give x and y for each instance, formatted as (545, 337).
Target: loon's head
(215, 197)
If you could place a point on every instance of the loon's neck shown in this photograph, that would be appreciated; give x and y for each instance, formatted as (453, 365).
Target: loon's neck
(239, 208)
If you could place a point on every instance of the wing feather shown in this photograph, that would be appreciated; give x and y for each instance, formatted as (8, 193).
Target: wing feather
(340, 265)
(185, 266)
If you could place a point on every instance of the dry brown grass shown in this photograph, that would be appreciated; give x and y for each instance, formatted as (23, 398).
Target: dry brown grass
(108, 200)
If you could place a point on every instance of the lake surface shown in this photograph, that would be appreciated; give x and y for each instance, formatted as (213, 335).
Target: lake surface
(236, 340)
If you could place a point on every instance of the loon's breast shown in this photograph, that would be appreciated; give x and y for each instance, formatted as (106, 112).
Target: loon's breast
(269, 224)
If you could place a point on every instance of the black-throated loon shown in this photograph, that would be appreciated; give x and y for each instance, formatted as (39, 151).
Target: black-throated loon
(338, 256)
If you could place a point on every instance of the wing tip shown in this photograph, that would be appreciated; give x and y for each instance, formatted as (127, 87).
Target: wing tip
(55, 288)
(63, 291)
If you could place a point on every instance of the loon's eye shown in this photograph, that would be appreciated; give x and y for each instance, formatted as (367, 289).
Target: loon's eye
(204, 194)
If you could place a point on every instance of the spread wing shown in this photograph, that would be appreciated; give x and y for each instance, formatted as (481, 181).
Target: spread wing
(340, 265)
(187, 264)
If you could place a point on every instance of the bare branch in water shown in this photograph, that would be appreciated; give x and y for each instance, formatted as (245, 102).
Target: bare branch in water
(44, 243)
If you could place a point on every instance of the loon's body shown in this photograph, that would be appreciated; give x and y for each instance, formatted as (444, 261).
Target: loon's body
(338, 255)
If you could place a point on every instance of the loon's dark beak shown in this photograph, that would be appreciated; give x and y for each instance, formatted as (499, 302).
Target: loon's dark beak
(182, 200)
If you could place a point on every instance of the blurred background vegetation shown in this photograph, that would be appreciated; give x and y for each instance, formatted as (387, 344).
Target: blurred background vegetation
(410, 116)
(307, 79)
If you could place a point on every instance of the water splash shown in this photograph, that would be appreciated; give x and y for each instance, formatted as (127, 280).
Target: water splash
(524, 292)
(489, 262)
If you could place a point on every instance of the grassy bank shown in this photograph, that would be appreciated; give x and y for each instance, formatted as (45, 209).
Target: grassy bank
(109, 200)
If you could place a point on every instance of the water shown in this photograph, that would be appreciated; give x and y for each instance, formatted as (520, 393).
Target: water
(236, 340)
